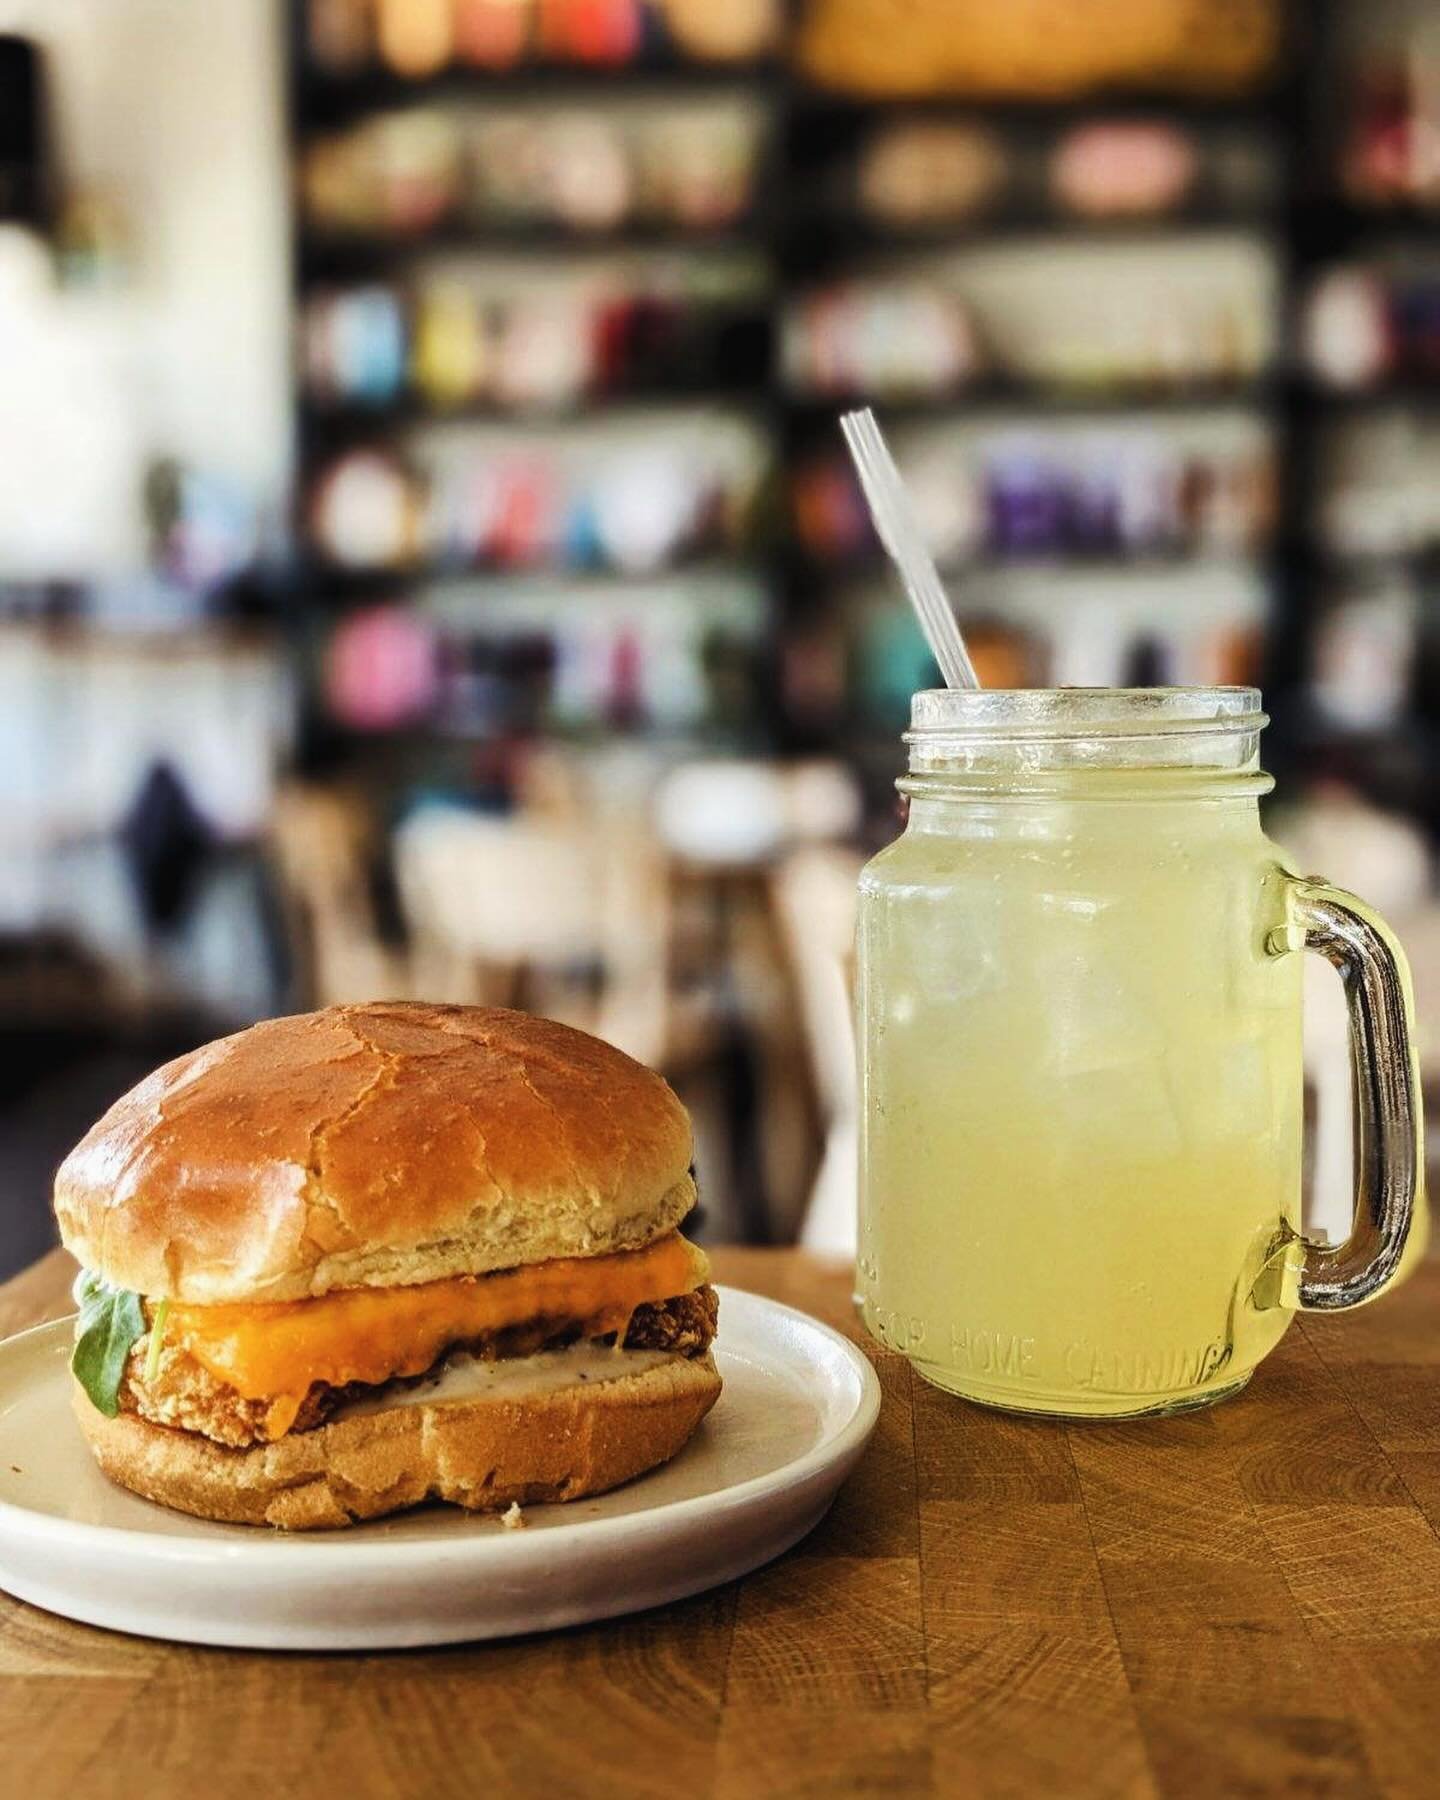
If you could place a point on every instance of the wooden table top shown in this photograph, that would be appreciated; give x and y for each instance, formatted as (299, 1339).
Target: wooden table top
(1242, 1600)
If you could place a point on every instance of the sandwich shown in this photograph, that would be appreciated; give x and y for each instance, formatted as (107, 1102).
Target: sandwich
(343, 1263)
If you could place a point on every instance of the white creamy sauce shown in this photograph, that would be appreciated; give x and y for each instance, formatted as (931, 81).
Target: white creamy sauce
(512, 1377)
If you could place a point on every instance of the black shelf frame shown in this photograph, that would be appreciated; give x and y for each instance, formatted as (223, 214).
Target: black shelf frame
(347, 256)
(324, 101)
(1321, 227)
(331, 426)
(997, 393)
(334, 587)
(319, 104)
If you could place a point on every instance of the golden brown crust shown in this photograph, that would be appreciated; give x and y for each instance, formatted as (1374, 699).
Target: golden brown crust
(481, 1454)
(374, 1145)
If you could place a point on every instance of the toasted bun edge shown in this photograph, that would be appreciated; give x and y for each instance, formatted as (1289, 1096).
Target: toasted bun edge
(375, 1145)
(482, 1454)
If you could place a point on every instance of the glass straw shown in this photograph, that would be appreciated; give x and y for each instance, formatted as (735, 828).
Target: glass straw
(899, 531)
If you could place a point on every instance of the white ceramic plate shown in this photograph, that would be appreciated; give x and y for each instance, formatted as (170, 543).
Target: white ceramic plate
(798, 1405)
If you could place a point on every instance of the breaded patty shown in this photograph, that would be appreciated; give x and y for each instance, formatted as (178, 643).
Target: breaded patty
(185, 1394)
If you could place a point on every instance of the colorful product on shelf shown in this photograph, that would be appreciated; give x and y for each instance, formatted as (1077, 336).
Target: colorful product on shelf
(1115, 169)
(589, 184)
(1038, 49)
(1345, 329)
(414, 39)
(887, 339)
(1109, 633)
(644, 509)
(1390, 156)
(663, 656)
(925, 172)
(1362, 657)
(1016, 496)
(1025, 502)
(591, 167)
(491, 34)
(355, 347)
(381, 669)
(453, 353)
(735, 31)
(1363, 326)
(504, 514)
(924, 176)
(698, 167)
(453, 339)
(339, 36)
(400, 173)
(364, 512)
(1051, 315)
(544, 356)
(949, 506)
(1005, 656)
(828, 511)
(607, 32)
(1378, 487)
(635, 507)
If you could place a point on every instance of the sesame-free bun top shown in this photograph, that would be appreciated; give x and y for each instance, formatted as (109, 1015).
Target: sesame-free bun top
(375, 1145)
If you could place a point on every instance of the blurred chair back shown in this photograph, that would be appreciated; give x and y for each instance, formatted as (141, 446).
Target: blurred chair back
(814, 892)
(569, 918)
(725, 810)
(320, 841)
(721, 811)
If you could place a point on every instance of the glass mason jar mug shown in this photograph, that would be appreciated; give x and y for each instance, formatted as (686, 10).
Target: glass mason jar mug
(1082, 1090)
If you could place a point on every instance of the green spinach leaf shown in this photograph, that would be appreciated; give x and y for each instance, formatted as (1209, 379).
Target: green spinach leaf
(111, 1319)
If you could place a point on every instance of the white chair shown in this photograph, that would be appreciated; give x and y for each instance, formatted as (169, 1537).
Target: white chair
(722, 812)
(568, 915)
(814, 895)
(320, 841)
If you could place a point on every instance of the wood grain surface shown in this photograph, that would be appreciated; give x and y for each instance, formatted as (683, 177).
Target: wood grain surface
(1239, 1601)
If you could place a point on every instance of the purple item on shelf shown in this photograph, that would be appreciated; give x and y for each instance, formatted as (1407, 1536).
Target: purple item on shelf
(1094, 511)
(1025, 503)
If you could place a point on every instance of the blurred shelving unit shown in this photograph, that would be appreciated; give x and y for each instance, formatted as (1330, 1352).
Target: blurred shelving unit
(1076, 277)
(1355, 654)
(1098, 477)
(535, 301)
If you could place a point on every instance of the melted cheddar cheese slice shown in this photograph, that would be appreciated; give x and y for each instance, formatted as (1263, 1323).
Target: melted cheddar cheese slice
(274, 1350)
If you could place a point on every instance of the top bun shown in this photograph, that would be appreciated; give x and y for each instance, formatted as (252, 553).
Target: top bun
(377, 1146)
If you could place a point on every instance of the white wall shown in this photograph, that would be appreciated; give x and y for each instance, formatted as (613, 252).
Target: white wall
(174, 109)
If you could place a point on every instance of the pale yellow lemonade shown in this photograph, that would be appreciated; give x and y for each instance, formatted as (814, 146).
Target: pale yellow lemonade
(1082, 1075)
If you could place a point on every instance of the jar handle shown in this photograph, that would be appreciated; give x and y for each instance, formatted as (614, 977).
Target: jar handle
(1388, 1121)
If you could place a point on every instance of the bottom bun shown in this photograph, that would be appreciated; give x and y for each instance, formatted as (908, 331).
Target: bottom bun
(483, 1454)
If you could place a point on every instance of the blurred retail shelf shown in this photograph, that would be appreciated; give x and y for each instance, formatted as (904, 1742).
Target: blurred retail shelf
(843, 236)
(342, 586)
(1422, 393)
(327, 99)
(1044, 114)
(1061, 564)
(999, 395)
(338, 254)
(413, 411)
